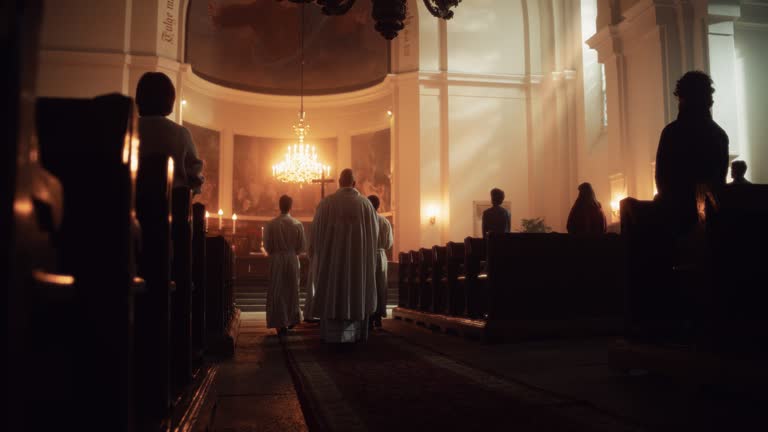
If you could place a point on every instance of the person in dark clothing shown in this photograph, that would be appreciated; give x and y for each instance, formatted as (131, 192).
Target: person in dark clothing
(738, 170)
(586, 216)
(496, 218)
(692, 157)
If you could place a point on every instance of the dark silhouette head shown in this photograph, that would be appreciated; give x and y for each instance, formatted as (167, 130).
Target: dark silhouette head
(347, 178)
(738, 169)
(286, 203)
(497, 196)
(155, 94)
(375, 201)
(694, 91)
(586, 192)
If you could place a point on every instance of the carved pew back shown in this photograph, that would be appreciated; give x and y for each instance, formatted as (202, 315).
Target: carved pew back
(403, 278)
(86, 143)
(476, 280)
(426, 260)
(439, 280)
(414, 288)
(198, 282)
(181, 298)
(456, 278)
(153, 209)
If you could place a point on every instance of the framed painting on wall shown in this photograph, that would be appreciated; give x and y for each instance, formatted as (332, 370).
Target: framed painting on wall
(208, 143)
(371, 163)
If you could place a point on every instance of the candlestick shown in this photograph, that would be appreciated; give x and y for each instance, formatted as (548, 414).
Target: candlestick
(221, 215)
(207, 215)
(234, 223)
(262, 236)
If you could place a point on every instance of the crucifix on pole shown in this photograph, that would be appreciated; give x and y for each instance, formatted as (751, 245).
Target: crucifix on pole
(322, 180)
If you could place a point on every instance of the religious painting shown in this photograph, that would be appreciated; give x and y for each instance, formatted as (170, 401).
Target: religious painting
(371, 163)
(255, 192)
(208, 145)
(255, 45)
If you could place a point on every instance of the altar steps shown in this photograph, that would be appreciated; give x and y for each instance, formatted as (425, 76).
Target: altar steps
(253, 298)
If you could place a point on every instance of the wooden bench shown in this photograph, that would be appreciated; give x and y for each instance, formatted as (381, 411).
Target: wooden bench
(404, 259)
(476, 282)
(153, 318)
(426, 260)
(439, 280)
(554, 285)
(198, 283)
(181, 298)
(85, 143)
(455, 273)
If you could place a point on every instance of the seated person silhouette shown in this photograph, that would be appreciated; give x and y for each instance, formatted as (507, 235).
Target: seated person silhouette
(692, 156)
(496, 218)
(738, 170)
(155, 96)
(586, 216)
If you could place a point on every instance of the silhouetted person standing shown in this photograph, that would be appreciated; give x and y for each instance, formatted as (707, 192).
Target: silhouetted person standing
(385, 243)
(586, 216)
(343, 248)
(692, 155)
(496, 218)
(284, 240)
(155, 96)
(738, 171)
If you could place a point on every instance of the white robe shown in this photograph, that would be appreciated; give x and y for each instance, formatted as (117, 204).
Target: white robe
(283, 240)
(343, 249)
(385, 243)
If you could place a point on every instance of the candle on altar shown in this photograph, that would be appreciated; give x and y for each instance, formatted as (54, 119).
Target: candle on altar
(234, 223)
(221, 214)
(262, 236)
(207, 215)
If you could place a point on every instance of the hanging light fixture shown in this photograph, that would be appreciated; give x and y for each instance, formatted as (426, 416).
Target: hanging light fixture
(300, 164)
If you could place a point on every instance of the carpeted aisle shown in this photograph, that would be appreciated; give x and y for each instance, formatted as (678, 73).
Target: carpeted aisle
(389, 384)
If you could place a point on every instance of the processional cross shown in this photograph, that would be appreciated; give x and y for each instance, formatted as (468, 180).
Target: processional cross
(322, 180)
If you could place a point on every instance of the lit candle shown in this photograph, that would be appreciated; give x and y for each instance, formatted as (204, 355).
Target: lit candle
(234, 223)
(262, 236)
(221, 214)
(207, 215)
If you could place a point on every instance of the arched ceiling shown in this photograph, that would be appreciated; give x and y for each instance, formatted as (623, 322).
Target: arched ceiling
(254, 45)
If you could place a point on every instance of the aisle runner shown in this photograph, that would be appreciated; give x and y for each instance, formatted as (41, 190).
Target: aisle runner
(389, 384)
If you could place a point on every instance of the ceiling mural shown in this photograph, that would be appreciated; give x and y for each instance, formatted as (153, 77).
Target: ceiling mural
(254, 45)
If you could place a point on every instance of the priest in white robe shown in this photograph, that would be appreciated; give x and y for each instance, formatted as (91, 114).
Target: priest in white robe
(284, 240)
(384, 243)
(343, 249)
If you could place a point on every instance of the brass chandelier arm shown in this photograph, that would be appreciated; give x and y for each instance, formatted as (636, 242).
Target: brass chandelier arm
(388, 14)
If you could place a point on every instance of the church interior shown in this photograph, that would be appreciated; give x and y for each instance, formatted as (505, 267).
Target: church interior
(134, 303)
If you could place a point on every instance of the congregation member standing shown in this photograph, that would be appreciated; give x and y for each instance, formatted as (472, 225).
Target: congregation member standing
(692, 158)
(738, 172)
(155, 96)
(283, 240)
(343, 248)
(586, 216)
(497, 218)
(385, 243)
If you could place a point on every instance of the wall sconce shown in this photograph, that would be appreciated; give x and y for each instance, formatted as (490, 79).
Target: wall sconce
(389, 113)
(432, 214)
(616, 205)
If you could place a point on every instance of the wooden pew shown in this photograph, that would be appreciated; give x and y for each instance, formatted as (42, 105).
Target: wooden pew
(425, 279)
(404, 259)
(198, 283)
(221, 317)
(439, 280)
(721, 339)
(554, 285)
(456, 279)
(87, 144)
(181, 298)
(153, 209)
(476, 277)
(414, 283)
(31, 206)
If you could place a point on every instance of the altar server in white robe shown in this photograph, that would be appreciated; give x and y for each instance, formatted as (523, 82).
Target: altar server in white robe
(284, 240)
(385, 241)
(343, 248)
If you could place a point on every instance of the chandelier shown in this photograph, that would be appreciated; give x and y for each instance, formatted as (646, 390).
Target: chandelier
(300, 164)
(388, 14)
